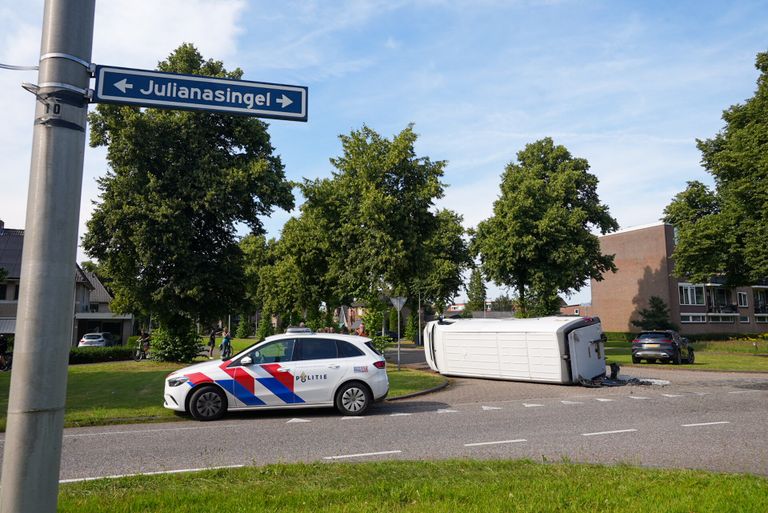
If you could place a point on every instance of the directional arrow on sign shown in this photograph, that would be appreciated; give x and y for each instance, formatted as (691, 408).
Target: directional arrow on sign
(123, 85)
(284, 101)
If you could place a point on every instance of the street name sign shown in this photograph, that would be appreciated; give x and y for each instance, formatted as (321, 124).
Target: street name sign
(158, 89)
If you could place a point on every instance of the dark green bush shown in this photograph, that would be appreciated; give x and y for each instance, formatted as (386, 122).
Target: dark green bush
(100, 354)
(171, 347)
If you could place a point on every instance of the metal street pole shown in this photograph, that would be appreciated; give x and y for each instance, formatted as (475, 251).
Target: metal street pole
(32, 452)
(398, 339)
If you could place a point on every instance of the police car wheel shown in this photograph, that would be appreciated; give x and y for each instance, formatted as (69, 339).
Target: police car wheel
(207, 403)
(353, 399)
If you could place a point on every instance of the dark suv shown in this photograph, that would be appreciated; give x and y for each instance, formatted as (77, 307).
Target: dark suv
(664, 345)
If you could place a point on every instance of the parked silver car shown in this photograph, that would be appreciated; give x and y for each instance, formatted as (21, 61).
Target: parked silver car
(101, 339)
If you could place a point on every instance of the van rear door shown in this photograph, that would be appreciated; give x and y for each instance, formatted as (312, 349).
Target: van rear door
(587, 352)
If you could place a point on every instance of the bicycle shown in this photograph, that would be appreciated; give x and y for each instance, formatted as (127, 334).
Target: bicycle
(142, 352)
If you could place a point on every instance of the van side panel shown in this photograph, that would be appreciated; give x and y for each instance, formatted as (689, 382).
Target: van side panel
(513, 356)
(544, 357)
(474, 353)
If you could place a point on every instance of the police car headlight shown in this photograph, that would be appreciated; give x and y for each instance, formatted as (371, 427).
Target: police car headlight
(180, 380)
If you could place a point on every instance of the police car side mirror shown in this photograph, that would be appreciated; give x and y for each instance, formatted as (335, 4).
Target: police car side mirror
(246, 360)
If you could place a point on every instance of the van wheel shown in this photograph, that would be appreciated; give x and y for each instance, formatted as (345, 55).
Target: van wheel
(353, 399)
(635, 360)
(207, 403)
(691, 357)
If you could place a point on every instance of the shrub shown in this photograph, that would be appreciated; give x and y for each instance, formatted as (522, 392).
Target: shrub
(100, 354)
(380, 343)
(170, 347)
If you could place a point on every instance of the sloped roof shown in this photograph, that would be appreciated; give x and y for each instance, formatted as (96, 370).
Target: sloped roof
(11, 243)
(99, 294)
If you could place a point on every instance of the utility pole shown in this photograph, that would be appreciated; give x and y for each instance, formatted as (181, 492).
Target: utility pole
(32, 452)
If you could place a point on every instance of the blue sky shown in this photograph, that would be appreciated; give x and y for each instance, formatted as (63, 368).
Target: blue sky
(628, 85)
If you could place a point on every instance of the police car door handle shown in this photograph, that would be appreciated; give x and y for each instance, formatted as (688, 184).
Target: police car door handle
(334, 366)
(280, 369)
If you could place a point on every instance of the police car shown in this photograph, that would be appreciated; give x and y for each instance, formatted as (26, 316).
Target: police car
(293, 370)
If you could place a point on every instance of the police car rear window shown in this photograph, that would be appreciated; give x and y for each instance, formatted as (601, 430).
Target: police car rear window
(370, 346)
(347, 350)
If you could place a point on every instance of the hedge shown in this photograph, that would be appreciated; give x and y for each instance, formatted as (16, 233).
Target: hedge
(623, 336)
(100, 354)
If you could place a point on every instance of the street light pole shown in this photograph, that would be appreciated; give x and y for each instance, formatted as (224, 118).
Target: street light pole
(32, 452)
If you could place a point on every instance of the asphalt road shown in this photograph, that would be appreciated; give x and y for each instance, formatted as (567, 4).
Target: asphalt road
(714, 421)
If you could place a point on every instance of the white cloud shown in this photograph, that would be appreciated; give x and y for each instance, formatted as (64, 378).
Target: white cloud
(130, 33)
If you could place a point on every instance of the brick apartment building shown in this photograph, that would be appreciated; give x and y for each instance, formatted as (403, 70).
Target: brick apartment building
(645, 269)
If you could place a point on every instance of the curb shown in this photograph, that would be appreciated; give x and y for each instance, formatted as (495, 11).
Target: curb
(421, 392)
(683, 368)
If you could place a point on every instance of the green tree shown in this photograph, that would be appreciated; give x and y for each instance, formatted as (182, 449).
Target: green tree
(503, 303)
(412, 327)
(476, 292)
(265, 326)
(392, 326)
(243, 327)
(729, 239)
(164, 229)
(539, 239)
(655, 317)
(381, 233)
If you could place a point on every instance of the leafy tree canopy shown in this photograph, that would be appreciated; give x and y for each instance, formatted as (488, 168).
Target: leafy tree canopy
(164, 228)
(729, 236)
(539, 239)
(381, 231)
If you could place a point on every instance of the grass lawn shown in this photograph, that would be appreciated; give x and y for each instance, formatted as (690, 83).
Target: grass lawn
(444, 486)
(739, 355)
(131, 392)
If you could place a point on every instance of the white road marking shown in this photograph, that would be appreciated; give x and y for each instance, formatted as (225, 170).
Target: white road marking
(706, 423)
(531, 405)
(571, 402)
(353, 418)
(447, 410)
(295, 421)
(672, 395)
(609, 432)
(401, 414)
(637, 397)
(743, 391)
(478, 444)
(141, 431)
(178, 471)
(361, 455)
(488, 408)
(603, 400)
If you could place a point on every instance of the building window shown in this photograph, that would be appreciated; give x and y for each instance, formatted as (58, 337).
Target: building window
(692, 318)
(744, 319)
(742, 297)
(575, 311)
(3, 291)
(16, 292)
(722, 319)
(691, 294)
(761, 319)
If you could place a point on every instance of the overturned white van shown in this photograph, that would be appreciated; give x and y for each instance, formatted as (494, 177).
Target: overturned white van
(565, 350)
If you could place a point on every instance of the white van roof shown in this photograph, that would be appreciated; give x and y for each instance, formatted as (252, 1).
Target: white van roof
(534, 324)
